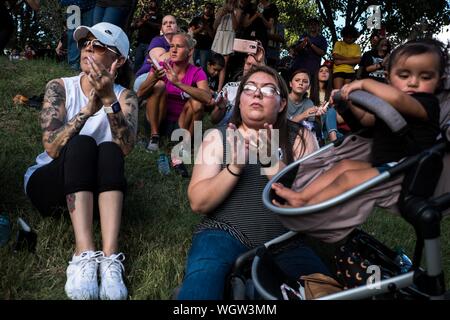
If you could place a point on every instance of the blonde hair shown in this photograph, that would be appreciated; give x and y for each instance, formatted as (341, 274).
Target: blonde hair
(191, 42)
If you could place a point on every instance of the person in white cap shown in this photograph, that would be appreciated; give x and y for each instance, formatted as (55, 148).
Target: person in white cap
(89, 124)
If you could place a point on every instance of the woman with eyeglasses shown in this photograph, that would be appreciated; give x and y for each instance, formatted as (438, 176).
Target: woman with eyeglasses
(89, 125)
(232, 167)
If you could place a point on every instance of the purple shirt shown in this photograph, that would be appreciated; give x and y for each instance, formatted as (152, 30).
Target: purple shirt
(176, 98)
(157, 42)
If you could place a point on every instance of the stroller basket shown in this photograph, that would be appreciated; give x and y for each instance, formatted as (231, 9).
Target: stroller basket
(268, 279)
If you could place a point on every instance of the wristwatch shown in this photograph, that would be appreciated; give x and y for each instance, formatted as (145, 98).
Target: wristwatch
(113, 108)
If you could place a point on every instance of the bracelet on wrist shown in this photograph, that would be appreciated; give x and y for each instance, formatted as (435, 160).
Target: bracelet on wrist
(266, 165)
(234, 174)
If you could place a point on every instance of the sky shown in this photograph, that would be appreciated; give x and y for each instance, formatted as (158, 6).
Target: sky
(444, 35)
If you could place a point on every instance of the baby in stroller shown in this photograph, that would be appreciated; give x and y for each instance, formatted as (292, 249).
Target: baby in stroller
(415, 74)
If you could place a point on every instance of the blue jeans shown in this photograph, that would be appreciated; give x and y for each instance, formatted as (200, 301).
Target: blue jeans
(211, 258)
(201, 58)
(140, 56)
(73, 53)
(330, 123)
(138, 81)
(114, 15)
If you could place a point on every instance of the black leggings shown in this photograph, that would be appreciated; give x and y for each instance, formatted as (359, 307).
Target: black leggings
(81, 166)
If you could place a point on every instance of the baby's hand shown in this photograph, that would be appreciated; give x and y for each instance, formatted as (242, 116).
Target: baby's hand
(350, 87)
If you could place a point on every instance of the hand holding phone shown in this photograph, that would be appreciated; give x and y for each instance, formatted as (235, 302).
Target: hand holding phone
(247, 46)
(155, 62)
(218, 96)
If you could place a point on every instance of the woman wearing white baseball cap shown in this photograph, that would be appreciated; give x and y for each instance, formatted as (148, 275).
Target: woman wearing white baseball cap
(89, 124)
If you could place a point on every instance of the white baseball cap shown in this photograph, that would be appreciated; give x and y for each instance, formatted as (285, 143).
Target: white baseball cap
(106, 33)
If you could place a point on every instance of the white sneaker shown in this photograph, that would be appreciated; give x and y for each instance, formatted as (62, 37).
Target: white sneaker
(112, 286)
(81, 273)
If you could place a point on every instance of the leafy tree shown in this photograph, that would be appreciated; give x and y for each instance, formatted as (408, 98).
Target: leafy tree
(401, 19)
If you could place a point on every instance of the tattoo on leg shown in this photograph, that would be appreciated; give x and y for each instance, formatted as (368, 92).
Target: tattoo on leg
(70, 198)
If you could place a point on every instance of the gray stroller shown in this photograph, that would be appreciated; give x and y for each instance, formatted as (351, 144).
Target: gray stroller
(415, 188)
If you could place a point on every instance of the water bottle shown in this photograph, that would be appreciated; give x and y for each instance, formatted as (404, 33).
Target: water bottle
(403, 261)
(5, 229)
(163, 164)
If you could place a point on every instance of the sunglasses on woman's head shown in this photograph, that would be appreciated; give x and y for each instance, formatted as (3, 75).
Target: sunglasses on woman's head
(266, 91)
(97, 46)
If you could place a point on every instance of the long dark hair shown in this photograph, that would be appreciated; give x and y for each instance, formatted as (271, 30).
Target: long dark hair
(284, 126)
(315, 87)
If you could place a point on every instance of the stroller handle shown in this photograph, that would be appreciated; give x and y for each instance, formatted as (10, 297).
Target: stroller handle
(380, 108)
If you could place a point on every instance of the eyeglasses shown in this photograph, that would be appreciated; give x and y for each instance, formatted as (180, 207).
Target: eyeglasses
(97, 46)
(266, 91)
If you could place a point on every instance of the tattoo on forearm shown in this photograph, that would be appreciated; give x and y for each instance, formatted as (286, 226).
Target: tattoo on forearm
(124, 125)
(70, 198)
(52, 118)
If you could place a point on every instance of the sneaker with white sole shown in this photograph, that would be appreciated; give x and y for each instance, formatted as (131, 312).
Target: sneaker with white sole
(112, 286)
(81, 273)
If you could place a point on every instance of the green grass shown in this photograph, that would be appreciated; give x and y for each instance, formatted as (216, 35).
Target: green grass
(157, 222)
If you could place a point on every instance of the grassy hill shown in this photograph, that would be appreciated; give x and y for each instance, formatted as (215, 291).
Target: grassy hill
(157, 221)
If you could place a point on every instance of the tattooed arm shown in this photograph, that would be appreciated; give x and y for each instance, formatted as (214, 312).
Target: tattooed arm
(124, 123)
(56, 133)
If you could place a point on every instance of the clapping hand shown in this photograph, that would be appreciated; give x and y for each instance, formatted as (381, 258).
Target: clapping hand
(239, 146)
(94, 103)
(102, 80)
(170, 73)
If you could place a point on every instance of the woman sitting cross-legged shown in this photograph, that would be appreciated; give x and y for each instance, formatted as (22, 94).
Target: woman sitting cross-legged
(89, 124)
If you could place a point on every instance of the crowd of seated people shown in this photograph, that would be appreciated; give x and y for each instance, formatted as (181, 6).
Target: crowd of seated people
(182, 75)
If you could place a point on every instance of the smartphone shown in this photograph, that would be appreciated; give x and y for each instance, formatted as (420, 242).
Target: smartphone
(155, 62)
(247, 46)
(218, 95)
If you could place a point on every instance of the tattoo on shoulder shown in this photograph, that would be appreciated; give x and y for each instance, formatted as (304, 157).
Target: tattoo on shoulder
(51, 116)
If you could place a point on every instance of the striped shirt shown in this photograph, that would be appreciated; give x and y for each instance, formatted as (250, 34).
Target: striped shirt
(242, 214)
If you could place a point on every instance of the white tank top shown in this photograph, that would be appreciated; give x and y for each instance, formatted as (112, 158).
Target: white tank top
(97, 126)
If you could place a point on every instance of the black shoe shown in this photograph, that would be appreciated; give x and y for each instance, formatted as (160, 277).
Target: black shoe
(181, 170)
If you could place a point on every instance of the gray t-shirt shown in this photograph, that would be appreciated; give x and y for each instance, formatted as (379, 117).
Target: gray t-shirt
(295, 109)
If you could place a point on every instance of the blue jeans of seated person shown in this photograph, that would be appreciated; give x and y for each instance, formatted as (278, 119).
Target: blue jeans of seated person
(114, 15)
(330, 123)
(138, 81)
(140, 56)
(211, 258)
(201, 58)
(73, 53)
